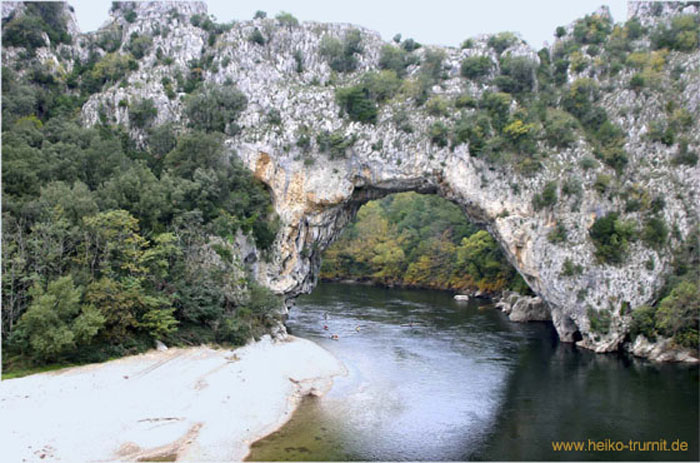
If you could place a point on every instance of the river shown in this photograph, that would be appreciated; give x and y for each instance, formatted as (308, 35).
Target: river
(433, 379)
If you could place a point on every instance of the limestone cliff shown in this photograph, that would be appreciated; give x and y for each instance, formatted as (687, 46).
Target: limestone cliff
(316, 194)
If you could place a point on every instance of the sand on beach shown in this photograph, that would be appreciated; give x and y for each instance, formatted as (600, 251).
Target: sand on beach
(192, 404)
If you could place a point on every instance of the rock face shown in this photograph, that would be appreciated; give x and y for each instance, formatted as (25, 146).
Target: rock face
(661, 351)
(316, 195)
(524, 308)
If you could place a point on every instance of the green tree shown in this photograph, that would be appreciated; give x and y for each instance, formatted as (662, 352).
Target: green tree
(474, 67)
(55, 323)
(678, 314)
(215, 108)
(611, 237)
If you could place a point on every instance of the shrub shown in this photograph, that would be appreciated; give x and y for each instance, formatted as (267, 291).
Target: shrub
(110, 39)
(571, 187)
(520, 135)
(678, 313)
(259, 14)
(587, 163)
(395, 59)
(214, 107)
(287, 19)
(560, 128)
(613, 156)
(560, 32)
(130, 16)
(655, 232)
(474, 67)
(410, 45)
(142, 113)
(602, 181)
(26, 29)
(498, 107)
(579, 101)
(402, 121)
(439, 134)
(303, 138)
(547, 198)
(474, 129)
(637, 82)
(357, 103)
(680, 119)
(643, 322)
(685, 156)
(599, 320)
(682, 35)
(335, 143)
(634, 28)
(111, 68)
(256, 37)
(611, 237)
(139, 45)
(431, 67)
(569, 269)
(501, 41)
(436, 106)
(381, 86)
(341, 55)
(518, 75)
(558, 234)
(299, 61)
(593, 29)
(274, 117)
(465, 101)
(660, 132)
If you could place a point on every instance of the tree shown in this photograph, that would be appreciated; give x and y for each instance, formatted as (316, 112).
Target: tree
(55, 322)
(678, 314)
(195, 150)
(395, 59)
(341, 54)
(143, 112)
(611, 237)
(112, 245)
(215, 108)
(474, 67)
(357, 103)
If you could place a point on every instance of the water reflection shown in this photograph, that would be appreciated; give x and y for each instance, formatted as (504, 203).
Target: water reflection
(432, 380)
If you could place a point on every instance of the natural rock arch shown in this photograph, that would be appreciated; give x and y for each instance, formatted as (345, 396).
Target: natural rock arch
(315, 211)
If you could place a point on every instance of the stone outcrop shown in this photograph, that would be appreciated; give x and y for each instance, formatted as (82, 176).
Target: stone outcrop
(662, 350)
(316, 195)
(521, 308)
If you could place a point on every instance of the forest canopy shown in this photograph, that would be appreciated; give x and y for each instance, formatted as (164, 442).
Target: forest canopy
(408, 239)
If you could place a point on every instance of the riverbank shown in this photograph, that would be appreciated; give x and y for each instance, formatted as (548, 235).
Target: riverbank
(191, 404)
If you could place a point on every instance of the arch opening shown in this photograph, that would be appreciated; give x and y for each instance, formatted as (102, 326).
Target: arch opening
(418, 239)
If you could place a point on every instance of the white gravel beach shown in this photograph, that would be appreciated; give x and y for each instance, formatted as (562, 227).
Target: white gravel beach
(193, 404)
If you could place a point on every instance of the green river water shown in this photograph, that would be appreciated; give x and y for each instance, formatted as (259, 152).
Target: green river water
(432, 379)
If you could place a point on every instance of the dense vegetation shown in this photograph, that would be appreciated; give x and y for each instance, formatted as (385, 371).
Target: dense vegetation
(108, 243)
(676, 315)
(409, 239)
